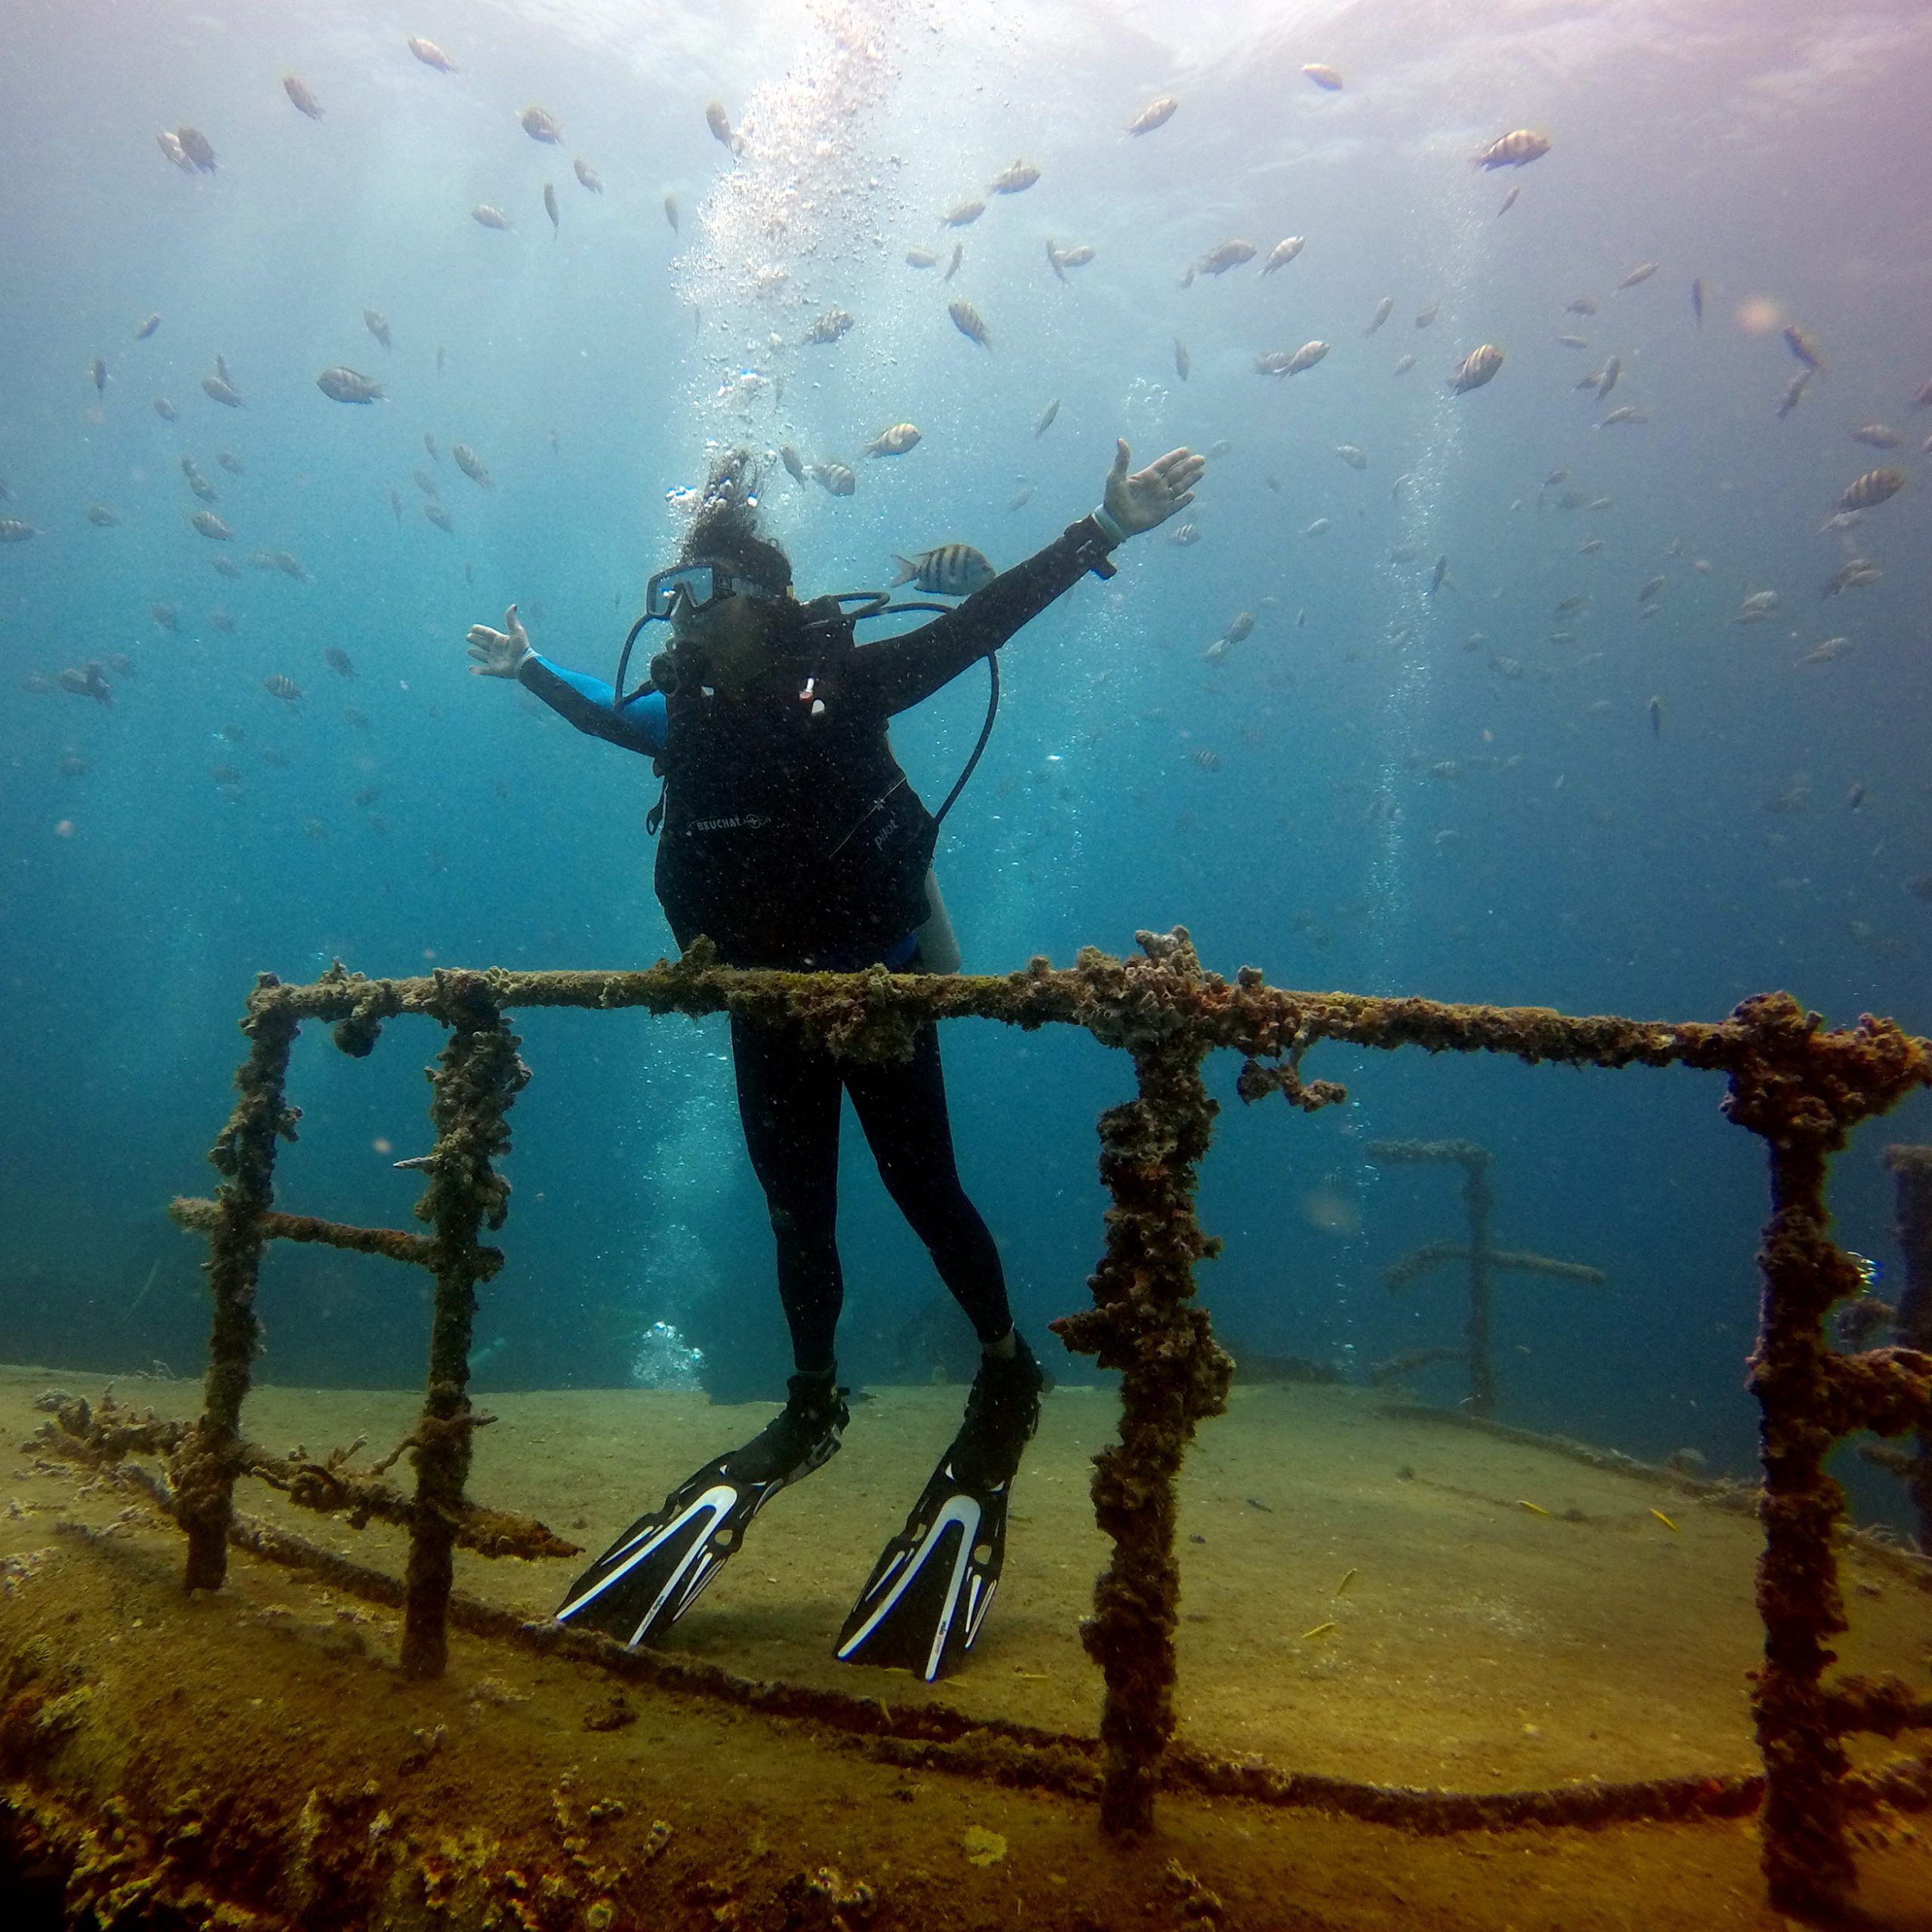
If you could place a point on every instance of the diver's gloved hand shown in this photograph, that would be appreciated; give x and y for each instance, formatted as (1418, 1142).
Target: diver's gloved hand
(1149, 496)
(499, 654)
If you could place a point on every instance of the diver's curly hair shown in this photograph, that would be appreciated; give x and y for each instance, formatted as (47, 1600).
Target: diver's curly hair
(725, 529)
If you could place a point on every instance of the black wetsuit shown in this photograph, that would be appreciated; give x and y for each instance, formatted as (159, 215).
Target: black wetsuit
(788, 1095)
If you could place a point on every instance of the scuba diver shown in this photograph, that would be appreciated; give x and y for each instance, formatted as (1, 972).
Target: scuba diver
(791, 839)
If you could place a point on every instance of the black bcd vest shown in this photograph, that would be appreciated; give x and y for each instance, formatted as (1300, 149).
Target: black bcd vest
(790, 833)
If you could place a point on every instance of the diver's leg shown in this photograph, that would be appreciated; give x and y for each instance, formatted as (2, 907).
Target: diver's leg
(901, 1104)
(789, 1098)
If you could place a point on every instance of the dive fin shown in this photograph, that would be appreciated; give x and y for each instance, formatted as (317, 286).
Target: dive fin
(658, 1569)
(934, 1583)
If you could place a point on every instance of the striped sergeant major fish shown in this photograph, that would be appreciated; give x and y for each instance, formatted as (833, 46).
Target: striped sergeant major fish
(953, 570)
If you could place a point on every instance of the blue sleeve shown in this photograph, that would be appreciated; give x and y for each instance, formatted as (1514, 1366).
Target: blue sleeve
(591, 705)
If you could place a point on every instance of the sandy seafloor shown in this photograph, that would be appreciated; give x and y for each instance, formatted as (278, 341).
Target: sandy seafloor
(1480, 1645)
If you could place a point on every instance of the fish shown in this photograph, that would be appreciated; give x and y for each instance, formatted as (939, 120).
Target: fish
(951, 570)
(169, 145)
(1426, 314)
(439, 517)
(287, 689)
(1047, 416)
(429, 444)
(1283, 362)
(894, 441)
(378, 325)
(166, 616)
(146, 326)
(591, 179)
(99, 372)
(485, 215)
(962, 214)
(466, 460)
(952, 267)
(342, 385)
(1476, 368)
(1383, 310)
(355, 715)
(226, 775)
(1509, 202)
(1319, 527)
(1440, 575)
(1794, 393)
(1208, 760)
(795, 464)
(1078, 257)
(1283, 253)
(282, 562)
(1353, 458)
(1804, 347)
(1877, 435)
(1642, 272)
(1582, 305)
(541, 125)
(38, 683)
(1568, 607)
(222, 621)
(1697, 298)
(1628, 412)
(195, 145)
(1824, 654)
(1184, 534)
(836, 480)
(719, 122)
(967, 320)
(230, 462)
(1013, 180)
(1760, 607)
(338, 660)
(366, 795)
(1854, 574)
(1223, 257)
(1574, 341)
(1183, 360)
(829, 327)
(431, 55)
(1021, 497)
(211, 527)
(1323, 76)
(227, 566)
(1403, 364)
(1655, 708)
(87, 680)
(424, 482)
(925, 258)
(550, 208)
(1241, 626)
(1853, 799)
(166, 410)
(223, 391)
(1590, 546)
(1155, 113)
(101, 517)
(1653, 589)
(670, 210)
(298, 90)
(1517, 148)
(1874, 486)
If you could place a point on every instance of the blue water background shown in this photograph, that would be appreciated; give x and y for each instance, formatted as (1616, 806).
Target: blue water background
(1330, 801)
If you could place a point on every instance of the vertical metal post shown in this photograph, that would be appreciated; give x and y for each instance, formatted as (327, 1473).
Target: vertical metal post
(1479, 1199)
(1912, 1166)
(1174, 1374)
(203, 1468)
(476, 1077)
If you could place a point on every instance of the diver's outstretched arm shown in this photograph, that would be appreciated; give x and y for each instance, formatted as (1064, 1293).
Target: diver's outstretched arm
(588, 704)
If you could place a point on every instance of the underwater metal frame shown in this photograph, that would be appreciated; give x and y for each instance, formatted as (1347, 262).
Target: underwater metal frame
(1801, 1087)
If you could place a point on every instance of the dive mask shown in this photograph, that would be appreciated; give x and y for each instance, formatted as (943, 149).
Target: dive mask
(695, 587)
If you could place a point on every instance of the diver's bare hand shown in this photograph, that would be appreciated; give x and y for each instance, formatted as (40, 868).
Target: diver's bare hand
(1151, 495)
(499, 654)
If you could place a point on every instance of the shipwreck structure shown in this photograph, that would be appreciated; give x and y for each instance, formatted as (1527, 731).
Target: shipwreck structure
(1801, 1087)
